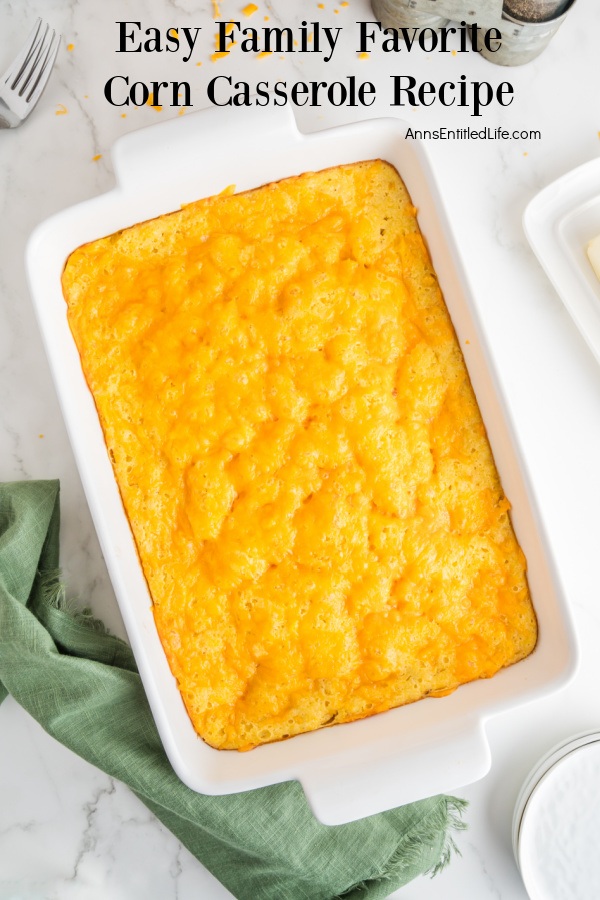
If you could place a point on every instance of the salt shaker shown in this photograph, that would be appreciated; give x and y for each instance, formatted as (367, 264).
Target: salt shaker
(402, 14)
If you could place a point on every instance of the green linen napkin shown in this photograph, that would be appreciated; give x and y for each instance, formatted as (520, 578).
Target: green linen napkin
(82, 686)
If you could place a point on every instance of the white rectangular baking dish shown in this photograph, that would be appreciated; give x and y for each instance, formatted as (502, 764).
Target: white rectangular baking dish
(351, 770)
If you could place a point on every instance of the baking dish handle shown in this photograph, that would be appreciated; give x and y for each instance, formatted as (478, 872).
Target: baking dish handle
(374, 785)
(183, 144)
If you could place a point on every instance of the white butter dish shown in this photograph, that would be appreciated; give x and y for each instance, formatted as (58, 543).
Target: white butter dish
(560, 222)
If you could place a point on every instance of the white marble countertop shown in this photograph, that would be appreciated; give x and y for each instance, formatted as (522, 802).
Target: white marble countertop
(66, 829)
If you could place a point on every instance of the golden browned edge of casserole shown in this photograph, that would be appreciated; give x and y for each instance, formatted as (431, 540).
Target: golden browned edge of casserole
(300, 455)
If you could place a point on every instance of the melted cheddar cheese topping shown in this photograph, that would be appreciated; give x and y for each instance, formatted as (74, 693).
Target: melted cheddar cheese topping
(300, 455)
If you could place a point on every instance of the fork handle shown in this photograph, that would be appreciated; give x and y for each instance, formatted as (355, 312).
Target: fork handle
(7, 118)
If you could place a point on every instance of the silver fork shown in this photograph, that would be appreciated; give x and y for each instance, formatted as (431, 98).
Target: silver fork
(22, 84)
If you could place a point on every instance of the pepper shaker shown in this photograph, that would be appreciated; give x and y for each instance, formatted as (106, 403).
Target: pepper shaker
(535, 10)
(528, 26)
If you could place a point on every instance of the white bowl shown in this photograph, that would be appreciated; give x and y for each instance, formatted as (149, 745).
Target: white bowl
(352, 770)
(556, 826)
(537, 774)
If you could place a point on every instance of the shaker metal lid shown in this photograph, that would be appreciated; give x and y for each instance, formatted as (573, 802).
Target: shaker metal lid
(556, 826)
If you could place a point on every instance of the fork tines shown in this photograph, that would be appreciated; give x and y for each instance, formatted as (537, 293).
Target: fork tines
(29, 70)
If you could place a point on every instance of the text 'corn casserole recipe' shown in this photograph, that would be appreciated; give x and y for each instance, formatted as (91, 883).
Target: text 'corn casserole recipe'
(300, 455)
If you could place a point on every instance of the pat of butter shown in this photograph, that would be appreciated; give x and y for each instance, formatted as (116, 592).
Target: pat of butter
(593, 252)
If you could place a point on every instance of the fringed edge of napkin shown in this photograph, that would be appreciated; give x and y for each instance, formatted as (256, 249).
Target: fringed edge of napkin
(53, 593)
(446, 818)
(80, 629)
(455, 807)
